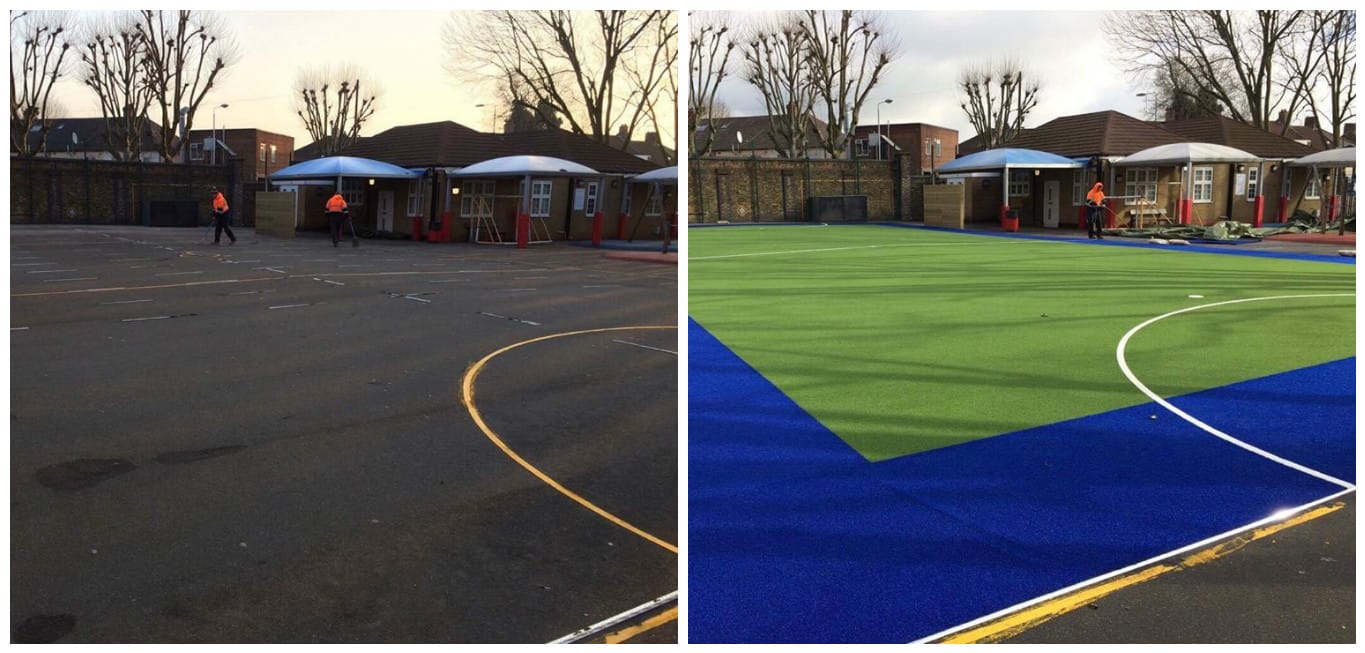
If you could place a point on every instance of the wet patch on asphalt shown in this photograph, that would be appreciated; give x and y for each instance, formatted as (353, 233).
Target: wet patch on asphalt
(43, 629)
(82, 473)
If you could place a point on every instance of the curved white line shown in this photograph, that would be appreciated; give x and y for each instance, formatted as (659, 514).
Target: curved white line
(1123, 365)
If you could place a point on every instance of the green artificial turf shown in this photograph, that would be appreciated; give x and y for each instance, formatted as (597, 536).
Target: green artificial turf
(904, 340)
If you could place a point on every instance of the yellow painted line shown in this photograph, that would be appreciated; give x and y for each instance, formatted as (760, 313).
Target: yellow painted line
(467, 394)
(1048, 610)
(625, 634)
(122, 288)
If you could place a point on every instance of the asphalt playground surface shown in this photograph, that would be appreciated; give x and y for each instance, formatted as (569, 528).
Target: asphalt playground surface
(268, 442)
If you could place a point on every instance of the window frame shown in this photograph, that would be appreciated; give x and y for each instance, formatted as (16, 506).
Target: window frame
(1142, 180)
(542, 196)
(415, 188)
(477, 197)
(1197, 184)
(1020, 183)
(591, 198)
(1253, 183)
(1078, 189)
(260, 153)
(353, 191)
(1313, 189)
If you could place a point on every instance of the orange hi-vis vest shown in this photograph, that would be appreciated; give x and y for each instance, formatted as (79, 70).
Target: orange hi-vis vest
(1095, 196)
(219, 203)
(337, 204)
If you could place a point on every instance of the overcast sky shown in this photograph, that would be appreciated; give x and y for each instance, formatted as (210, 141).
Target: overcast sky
(403, 50)
(1063, 50)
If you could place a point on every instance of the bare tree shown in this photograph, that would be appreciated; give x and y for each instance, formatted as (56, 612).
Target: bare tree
(1230, 56)
(775, 63)
(997, 100)
(1321, 68)
(38, 45)
(847, 53)
(185, 52)
(653, 79)
(709, 64)
(578, 63)
(333, 105)
(113, 65)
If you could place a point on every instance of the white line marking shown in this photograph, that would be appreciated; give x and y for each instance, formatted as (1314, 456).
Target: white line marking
(129, 301)
(1132, 378)
(274, 270)
(127, 260)
(288, 306)
(176, 274)
(250, 260)
(600, 626)
(141, 319)
(520, 290)
(803, 251)
(513, 319)
(604, 285)
(636, 344)
(50, 271)
(334, 283)
(1279, 515)
(70, 279)
(417, 299)
(20, 265)
(18, 328)
(527, 278)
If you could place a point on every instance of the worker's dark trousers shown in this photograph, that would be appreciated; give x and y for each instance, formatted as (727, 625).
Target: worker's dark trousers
(1096, 221)
(334, 221)
(223, 222)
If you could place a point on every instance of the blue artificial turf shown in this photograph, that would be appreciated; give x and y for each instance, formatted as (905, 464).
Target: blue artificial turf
(793, 537)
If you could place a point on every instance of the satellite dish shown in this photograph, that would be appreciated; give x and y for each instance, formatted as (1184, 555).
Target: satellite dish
(74, 140)
(739, 136)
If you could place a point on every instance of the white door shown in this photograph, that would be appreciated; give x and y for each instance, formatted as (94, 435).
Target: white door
(1052, 204)
(384, 211)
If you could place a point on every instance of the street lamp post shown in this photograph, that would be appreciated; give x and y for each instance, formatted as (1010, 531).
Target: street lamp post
(213, 133)
(879, 126)
(1151, 113)
(493, 126)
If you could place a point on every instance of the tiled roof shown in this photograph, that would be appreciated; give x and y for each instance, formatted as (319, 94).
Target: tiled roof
(1102, 133)
(755, 131)
(1226, 131)
(89, 134)
(441, 144)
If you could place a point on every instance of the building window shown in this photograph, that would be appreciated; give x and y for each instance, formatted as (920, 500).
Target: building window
(353, 191)
(541, 191)
(1078, 189)
(1253, 183)
(1314, 189)
(260, 153)
(625, 199)
(1203, 185)
(272, 153)
(414, 195)
(476, 198)
(196, 151)
(1019, 182)
(1141, 181)
(654, 206)
(590, 201)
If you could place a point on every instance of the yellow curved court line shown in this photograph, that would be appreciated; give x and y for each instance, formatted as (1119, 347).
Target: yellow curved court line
(467, 395)
(1047, 610)
(626, 634)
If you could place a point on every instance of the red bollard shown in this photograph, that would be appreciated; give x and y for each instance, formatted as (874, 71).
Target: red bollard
(1082, 217)
(1284, 209)
(621, 226)
(1332, 208)
(416, 228)
(597, 229)
(523, 230)
(1186, 211)
(1260, 211)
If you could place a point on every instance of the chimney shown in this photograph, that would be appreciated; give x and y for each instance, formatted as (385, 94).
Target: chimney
(621, 132)
(651, 138)
(1284, 117)
(1310, 122)
(1348, 133)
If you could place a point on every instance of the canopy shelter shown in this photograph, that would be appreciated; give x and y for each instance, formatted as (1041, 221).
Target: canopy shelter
(1185, 155)
(1002, 159)
(526, 167)
(337, 167)
(656, 180)
(1338, 159)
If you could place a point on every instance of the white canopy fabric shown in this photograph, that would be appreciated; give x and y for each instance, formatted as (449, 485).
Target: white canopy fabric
(662, 175)
(1006, 157)
(1183, 153)
(333, 167)
(516, 166)
(1341, 156)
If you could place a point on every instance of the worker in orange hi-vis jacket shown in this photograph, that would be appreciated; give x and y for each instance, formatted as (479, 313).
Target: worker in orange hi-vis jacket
(1095, 200)
(336, 212)
(222, 220)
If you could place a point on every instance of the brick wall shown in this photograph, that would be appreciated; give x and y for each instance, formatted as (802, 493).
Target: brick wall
(776, 190)
(69, 191)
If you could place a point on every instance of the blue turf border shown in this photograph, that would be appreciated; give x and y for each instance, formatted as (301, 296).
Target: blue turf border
(794, 538)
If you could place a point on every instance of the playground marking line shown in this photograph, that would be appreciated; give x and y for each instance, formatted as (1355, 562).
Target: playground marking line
(1132, 378)
(1058, 603)
(604, 624)
(467, 397)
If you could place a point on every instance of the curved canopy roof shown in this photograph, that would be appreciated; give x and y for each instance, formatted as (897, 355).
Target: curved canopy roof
(342, 166)
(1179, 153)
(1341, 156)
(667, 175)
(516, 166)
(1002, 157)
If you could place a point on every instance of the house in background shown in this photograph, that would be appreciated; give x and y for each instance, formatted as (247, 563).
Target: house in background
(1281, 189)
(261, 152)
(928, 146)
(439, 150)
(649, 149)
(751, 136)
(1309, 133)
(84, 138)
